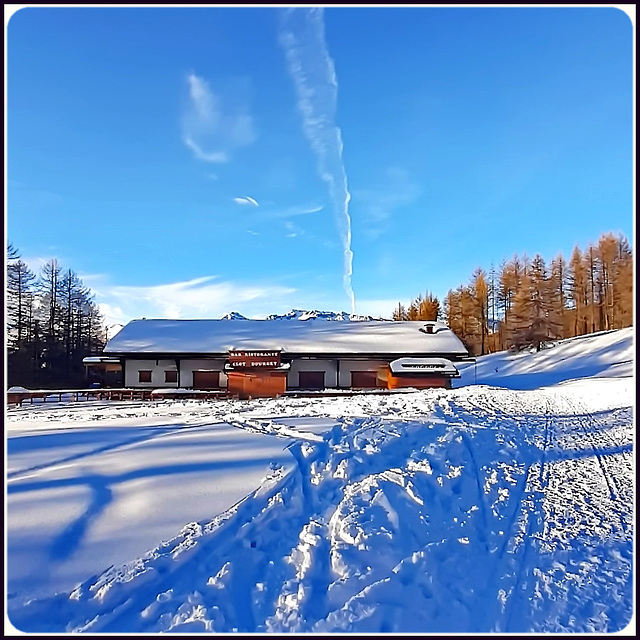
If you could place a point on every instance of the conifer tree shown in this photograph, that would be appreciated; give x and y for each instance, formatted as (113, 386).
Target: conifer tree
(558, 291)
(623, 285)
(479, 291)
(52, 323)
(453, 312)
(20, 281)
(525, 303)
(590, 267)
(606, 252)
(429, 308)
(492, 292)
(578, 291)
(400, 313)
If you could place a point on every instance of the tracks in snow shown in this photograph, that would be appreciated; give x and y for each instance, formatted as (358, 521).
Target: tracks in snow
(566, 446)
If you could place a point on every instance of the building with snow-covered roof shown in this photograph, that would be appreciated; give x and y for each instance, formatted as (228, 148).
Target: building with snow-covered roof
(269, 357)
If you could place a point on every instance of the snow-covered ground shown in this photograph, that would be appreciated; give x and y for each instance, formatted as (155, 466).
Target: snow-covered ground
(503, 505)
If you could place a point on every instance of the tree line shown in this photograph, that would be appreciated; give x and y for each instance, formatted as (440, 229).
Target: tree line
(52, 324)
(526, 302)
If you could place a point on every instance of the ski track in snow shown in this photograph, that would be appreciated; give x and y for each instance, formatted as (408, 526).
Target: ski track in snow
(469, 505)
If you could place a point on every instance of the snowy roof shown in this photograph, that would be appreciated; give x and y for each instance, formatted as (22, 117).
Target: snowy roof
(440, 366)
(299, 338)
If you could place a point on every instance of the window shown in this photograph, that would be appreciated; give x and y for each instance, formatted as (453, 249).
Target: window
(311, 380)
(144, 376)
(171, 375)
(364, 379)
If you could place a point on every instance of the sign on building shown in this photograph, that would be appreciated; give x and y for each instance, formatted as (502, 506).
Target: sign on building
(254, 359)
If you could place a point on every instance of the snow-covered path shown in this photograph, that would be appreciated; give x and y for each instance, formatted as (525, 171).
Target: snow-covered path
(478, 509)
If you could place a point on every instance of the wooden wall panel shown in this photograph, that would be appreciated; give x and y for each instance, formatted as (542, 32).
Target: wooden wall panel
(420, 382)
(267, 384)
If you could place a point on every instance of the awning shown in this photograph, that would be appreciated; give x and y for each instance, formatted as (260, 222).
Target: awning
(89, 360)
(424, 366)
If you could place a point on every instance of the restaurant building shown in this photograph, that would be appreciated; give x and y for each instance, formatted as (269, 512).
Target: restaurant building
(266, 358)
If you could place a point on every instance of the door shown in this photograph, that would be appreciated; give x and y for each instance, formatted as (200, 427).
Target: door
(311, 379)
(364, 379)
(206, 379)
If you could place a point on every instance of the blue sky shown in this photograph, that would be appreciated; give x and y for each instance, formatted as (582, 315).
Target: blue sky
(186, 162)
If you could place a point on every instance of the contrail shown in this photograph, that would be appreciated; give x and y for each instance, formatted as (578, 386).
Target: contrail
(314, 77)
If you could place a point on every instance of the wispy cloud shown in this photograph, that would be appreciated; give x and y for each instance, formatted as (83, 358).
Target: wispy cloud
(271, 211)
(246, 200)
(207, 156)
(204, 297)
(282, 217)
(270, 217)
(393, 191)
(292, 230)
(213, 126)
(313, 73)
(296, 210)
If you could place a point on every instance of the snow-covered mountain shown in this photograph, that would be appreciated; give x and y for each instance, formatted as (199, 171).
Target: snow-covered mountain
(303, 314)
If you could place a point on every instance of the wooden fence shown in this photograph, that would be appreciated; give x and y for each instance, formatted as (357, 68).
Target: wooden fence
(75, 395)
(17, 398)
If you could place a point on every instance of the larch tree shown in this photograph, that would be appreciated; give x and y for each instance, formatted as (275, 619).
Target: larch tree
(429, 307)
(413, 312)
(453, 312)
(606, 253)
(492, 291)
(526, 303)
(20, 281)
(399, 313)
(50, 317)
(73, 299)
(470, 324)
(52, 323)
(590, 267)
(12, 252)
(537, 321)
(511, 274)
(578, 291)
(479, 291)
(558, 291)
(623, 285)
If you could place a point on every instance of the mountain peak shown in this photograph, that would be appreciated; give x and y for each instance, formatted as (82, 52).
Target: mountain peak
(305, 314)
(314, 314)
